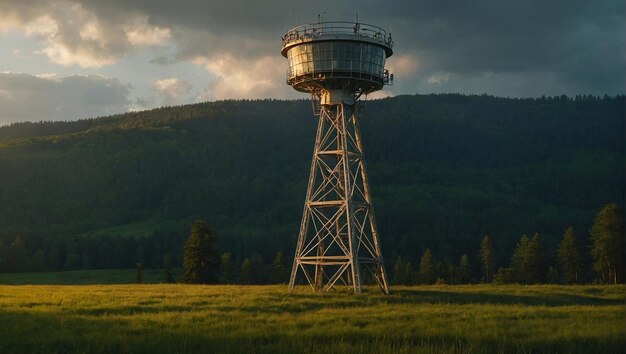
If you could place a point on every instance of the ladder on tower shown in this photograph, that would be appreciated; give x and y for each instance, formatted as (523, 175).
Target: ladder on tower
(316, 104)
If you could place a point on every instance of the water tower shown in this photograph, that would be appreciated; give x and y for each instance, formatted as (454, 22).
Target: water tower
(337, 62)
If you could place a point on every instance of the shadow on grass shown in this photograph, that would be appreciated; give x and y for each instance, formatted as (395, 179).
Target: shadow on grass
(549, 299)
(69, 333)
(423, 295)
(130, 310)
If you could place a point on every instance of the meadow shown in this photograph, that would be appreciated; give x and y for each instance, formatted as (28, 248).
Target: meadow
(160, 318)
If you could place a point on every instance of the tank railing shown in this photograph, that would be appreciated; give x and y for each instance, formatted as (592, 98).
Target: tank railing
(295, 81)
(354, 72)
(294, 78)
(296, 73)
(315, 30)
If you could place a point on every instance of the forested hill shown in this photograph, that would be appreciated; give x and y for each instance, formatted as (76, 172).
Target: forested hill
(444, 171)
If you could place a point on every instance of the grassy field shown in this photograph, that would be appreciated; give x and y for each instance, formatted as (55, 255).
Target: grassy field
(266, 319)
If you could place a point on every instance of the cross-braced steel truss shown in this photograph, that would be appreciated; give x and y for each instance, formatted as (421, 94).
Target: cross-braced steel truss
(338, 240)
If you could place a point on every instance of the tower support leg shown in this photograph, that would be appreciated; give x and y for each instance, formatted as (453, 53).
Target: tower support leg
(338, 238)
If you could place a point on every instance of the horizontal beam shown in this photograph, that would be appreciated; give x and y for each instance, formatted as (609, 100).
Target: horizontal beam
(323, 258)
(327, 203)
(337, 152)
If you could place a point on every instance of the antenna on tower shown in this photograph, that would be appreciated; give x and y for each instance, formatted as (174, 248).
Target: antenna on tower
(338, 243)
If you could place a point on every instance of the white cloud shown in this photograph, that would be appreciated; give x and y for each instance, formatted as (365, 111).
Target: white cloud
(172, 90)
(60, 54)
(26, 97)
(402, 65)
(245, 78)
(440, 47)
(42, 26)
(91, 31)
(439, 78)
(139, 32)
(49, 76)
(73, 34)
(379, 94)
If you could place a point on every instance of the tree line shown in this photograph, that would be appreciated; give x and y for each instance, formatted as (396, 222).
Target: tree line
(202, 263)
(528, 264)
(444, 170)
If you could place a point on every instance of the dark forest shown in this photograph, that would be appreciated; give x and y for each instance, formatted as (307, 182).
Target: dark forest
(445, 170)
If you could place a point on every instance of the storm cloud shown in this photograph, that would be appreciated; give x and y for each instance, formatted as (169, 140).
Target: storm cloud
(505, 48)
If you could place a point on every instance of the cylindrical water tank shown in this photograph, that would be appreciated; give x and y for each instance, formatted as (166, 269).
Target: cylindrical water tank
(337, 55)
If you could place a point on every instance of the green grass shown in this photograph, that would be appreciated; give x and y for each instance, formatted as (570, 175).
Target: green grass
(267, 319)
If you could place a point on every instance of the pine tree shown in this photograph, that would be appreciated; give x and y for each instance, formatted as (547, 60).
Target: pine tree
(537, 260)
(226, 268)
(168, 277)
(245, 271)
(138, 275)
(16, 255)
(503, 276)
(3, 256)
(279, 270)
(463, 272)
(409, 274)
(258, 273)
(569, 257)
(607, 250)
(200, 260)
(486, 259)
(520, 262)
(427, 268)
(399, 270)
(452, 273)
(553, 275)
(527, 264)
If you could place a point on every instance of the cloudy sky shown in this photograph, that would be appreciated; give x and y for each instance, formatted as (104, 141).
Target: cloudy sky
(70, 59)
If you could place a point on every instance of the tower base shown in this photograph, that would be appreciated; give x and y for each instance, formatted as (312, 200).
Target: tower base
(338, 240)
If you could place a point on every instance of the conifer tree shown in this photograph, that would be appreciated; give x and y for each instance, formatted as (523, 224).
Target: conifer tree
(138, 274)
(427, 268)
(537, 260)
(486, 259)
(226, 268)
(16, 255)
(607, 250)
(279, 270)
(200, 259)
(409, 274)
(527, 261)
(553, 275)
(463, 272)
(3, 260)
(168, 277)
(520, 261)
(569, 257)
(245, 271)
(258, 272)
(399, 270)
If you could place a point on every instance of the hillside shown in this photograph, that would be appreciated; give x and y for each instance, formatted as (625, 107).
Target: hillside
(444, 171)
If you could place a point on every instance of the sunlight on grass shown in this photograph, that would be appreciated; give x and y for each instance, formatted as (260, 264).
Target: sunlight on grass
(266, 319)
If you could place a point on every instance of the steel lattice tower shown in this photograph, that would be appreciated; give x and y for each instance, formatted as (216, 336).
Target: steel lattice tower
(337, 62)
